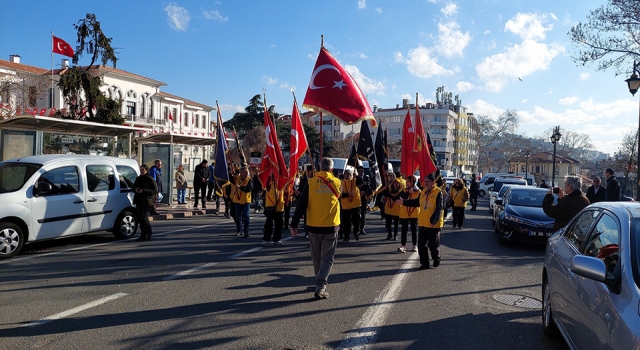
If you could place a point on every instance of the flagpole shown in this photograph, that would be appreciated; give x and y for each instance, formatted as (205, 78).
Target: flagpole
(52, 102)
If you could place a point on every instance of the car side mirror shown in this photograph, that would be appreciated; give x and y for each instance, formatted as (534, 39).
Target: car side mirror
(44, 188)
(589, 267)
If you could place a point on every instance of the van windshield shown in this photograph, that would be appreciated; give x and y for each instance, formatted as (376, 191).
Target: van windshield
(13, 175)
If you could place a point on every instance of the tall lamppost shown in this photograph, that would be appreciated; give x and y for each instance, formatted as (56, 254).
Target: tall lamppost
(634, 83)
(527, 155)
(555, 137)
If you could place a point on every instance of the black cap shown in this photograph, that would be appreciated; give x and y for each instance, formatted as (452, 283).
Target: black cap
(430, 177)
(309, 167)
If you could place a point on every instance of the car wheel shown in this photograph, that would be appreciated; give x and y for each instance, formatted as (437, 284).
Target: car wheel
(482, 193)
(126, 225)
(548, 324)
(11, 240)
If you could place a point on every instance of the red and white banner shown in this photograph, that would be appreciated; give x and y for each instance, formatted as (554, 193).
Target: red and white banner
(298, 141)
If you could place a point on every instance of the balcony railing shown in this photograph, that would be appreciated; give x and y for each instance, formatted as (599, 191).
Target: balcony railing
(139, 119)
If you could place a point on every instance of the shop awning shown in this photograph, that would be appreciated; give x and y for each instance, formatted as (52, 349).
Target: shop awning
(66, 126)
(179, 139)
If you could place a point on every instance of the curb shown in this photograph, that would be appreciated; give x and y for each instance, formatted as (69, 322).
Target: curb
(182, 214)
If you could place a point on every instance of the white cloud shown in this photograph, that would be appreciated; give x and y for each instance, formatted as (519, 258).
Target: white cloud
(451, 40)
(517, 62)
(268, 80)
(367, 85)
(464, 86)
(586, 112)
(179, 17)
(584, 76)
(449, 9)
(215, 16)
(486, 32)
(362, 55)
(569, 100)
(432, 1)
(272, 46)
(553, 16)
(481, 107)
(524, 100)
(286, 86)
(362, 4)
(420, 63)
(228, 110)
(379, 9)
(528, 26)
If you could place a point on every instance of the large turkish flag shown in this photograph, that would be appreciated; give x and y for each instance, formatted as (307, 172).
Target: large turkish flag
(62, 47)
(333, 90)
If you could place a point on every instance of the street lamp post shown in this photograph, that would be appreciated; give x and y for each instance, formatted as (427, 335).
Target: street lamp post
(634, 83)
(527, 155)
(555, 137)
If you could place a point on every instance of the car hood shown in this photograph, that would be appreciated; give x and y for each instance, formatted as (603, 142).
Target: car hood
(529, 213)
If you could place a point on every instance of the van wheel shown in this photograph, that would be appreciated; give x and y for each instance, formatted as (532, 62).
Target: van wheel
(482, 193)
(126, 225)
(11, 240)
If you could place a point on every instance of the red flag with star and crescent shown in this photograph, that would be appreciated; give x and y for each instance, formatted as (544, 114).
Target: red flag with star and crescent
(298, 141)
(62, 47)
(333, 90)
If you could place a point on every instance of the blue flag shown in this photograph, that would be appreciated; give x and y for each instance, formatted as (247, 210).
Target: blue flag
(221, 172)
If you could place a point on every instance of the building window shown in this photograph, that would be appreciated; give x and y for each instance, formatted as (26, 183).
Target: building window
(131, 108)
(197, 121)
(51, 98)
(142, 105)
(186, 119)
(33, 96)
(165, 113)
(174, 115)
(204, 121)
(150, 102)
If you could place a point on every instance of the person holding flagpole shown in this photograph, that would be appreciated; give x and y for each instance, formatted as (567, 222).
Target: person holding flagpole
(350, 206)
(273, 211)
(241, 196)
(409, 215)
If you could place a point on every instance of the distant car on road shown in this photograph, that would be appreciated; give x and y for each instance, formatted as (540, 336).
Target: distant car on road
(591, 278)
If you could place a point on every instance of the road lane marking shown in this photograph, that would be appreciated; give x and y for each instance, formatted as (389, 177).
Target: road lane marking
(186, 272)
(22, 258)
(75, 310)
(366, 330)
(237, 255)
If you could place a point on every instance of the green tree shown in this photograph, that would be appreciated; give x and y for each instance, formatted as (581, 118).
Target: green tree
(252, 116)
(611, 36)
(79, 87)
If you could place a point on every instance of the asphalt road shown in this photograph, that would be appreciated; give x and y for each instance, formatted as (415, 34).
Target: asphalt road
(198, 286)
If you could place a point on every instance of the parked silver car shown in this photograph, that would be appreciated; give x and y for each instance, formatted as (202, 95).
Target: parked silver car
(591, 278)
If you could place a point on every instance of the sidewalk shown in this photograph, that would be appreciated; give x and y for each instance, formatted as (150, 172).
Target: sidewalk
(167, 212)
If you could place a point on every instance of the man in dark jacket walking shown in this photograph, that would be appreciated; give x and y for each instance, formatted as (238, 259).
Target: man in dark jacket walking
(474, 189)
(570, 202)
(596, 193)
(145, 190)
(613, 186)
(200, 181)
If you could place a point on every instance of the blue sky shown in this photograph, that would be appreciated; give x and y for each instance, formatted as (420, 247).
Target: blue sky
(494, 54)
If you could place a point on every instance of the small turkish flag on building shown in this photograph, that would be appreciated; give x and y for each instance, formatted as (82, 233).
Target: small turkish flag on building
(333, 90)
(62, 47)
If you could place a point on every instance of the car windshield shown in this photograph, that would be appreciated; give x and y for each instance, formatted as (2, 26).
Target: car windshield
(13, 175)
(635, 250)
(526, 198)
(503, 189)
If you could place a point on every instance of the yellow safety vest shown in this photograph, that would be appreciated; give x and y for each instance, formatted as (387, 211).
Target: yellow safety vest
(349, 186)
(237, 195)
(427, 208)
(323, 208)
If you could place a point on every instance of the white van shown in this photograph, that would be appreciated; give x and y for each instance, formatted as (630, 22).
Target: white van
(486, 183)
(52, 196)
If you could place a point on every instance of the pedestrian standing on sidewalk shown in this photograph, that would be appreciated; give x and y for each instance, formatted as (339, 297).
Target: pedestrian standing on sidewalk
(200, 181)
(273, 211)
(145, 190)
(241, 197)
(409, 216)
(474, 189)
(458, 197)
(612, 193)
(319, 202)
(430, 221)
(181, 184)
(156, 174)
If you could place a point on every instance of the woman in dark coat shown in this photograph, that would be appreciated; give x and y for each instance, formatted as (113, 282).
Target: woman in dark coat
(145, 189)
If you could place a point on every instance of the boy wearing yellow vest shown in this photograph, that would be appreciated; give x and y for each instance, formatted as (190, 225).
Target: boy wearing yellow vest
(350, 206)
(430, 221)
(241, 197)
(409, 215)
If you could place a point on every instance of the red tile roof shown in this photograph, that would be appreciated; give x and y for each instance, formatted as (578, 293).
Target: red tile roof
(187, 101)
(23, 67)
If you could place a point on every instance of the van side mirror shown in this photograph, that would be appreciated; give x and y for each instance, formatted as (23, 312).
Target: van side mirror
(44, 188)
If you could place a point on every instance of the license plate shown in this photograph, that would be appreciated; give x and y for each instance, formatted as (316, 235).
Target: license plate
(535, 233)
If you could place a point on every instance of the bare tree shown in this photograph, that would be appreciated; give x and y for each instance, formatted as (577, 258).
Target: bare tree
(611, 36)
(491, 132)
(572, 144)
(19, 92)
